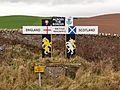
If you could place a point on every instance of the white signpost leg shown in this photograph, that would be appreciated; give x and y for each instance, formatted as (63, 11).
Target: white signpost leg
(39, 79)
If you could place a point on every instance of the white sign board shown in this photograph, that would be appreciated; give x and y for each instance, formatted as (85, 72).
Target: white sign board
(60, 30)
(87, 29)
(36, 30)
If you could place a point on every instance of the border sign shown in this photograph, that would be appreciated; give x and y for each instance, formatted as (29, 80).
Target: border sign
(59, 25)
(92, 30)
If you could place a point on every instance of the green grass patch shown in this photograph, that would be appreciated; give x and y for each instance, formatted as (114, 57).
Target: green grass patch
(17, 21)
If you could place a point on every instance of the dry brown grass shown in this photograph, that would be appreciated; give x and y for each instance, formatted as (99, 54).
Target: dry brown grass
(98, 76)
(16, 73)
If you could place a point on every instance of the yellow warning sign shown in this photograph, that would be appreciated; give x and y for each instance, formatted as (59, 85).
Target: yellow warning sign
(38, 69)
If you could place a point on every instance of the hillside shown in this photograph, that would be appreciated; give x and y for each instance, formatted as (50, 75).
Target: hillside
(12, 22)
(109, 23)
(96, 65)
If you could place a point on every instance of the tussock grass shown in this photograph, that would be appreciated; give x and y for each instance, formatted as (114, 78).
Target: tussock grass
(16, 73)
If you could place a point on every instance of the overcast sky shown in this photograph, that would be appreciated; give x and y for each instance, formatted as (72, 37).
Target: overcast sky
(81, 8)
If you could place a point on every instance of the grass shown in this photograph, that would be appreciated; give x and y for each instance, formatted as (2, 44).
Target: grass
(17, 21)
(16, 73)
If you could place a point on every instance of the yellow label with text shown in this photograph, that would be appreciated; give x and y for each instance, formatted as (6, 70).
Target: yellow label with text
(38, 69)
